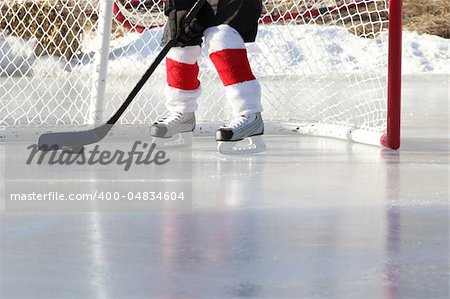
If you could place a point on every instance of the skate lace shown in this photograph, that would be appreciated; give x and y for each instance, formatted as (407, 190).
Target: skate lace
(238, 122)
(170, 118)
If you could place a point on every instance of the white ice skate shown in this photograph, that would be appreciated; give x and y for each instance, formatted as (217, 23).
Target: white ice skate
(174, 129)
(243, 135)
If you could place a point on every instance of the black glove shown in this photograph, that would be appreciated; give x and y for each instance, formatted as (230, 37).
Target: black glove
(186, 34)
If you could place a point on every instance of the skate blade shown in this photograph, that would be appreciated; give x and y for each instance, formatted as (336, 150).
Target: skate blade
(180, 140)
(250, 145)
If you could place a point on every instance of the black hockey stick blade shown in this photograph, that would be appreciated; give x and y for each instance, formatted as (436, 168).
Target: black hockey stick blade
(75, 141)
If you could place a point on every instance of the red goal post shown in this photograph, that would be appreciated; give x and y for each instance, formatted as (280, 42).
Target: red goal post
(392, 137)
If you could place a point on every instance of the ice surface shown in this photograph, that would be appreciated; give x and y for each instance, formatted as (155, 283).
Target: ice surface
(309, 218)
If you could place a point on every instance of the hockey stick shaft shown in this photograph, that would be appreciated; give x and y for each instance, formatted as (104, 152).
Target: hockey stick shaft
(189, 17)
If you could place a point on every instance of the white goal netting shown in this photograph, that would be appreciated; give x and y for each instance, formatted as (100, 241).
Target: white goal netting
(319, 62)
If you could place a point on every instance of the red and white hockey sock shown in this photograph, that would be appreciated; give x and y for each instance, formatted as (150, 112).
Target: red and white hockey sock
(227, 51)
(183, 87)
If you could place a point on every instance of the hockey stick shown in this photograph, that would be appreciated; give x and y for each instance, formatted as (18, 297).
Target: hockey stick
(76, 140)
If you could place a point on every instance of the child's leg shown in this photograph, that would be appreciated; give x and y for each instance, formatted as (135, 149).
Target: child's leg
(182, 91)
(227, 51)
(183, 87)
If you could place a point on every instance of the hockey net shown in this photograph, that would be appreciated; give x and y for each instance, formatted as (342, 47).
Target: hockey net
(322, 64)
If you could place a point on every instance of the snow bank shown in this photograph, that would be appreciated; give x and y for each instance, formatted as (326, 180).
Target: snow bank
(16, 56)
(425, 54)
(279, 50)
(310, 49)
(314, 48)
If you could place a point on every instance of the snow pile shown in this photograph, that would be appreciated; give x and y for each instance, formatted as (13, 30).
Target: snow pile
(425, 54)
(280, 50)
(309, 50)
(16, 56)
(331, 49)
(314, 50)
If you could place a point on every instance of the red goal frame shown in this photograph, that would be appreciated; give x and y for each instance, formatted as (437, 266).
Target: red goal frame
(394, 93)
